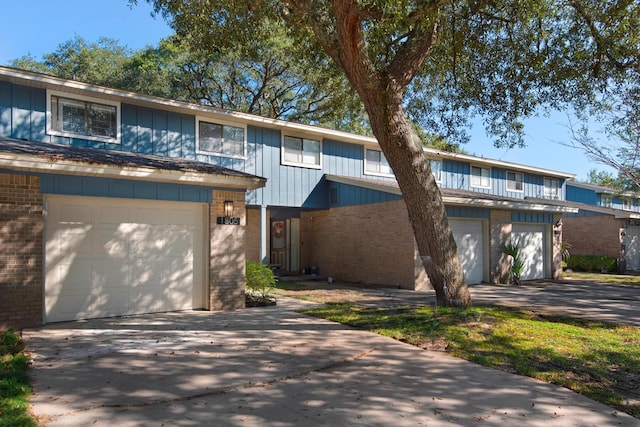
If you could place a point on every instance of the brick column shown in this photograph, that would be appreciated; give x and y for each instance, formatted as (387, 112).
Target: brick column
(556, 236)
(500, 227)
(21, 227)
(227, 253)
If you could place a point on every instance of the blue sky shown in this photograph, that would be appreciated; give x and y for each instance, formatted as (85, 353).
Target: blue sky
(37, 27)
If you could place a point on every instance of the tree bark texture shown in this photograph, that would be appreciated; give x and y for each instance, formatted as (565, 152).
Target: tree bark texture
(382, 92)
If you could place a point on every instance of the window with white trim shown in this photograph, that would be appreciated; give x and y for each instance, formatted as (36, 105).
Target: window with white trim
(376, 164)
(515, 181)
(627, 204)
(606, 201)
(480, 177)
(221, 139)
(436, 169)
(298, 151)
(78, 116)
(551, 188)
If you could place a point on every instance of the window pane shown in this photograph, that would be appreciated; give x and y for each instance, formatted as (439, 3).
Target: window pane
(311, 152)
(233, 140)
(292, 149)
(210, 137)
(102, 120)
(72, 114)
(384, 165)
(436, 169)
(373, 160)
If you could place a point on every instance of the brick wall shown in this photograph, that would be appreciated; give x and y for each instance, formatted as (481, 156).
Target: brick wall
(227, 254)
(500, 228)
(593, 235)
(21, 226)
(556, 235)
(252, 235)
(370, 244)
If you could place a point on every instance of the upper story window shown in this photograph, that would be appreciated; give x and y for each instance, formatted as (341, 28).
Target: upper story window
(78, 116)
(515, 181)
(376, 164)
(627, 204)
(551, 188)
(480, 177)
(606, 201)
(298, 151)
(436, 169)
(221, 139)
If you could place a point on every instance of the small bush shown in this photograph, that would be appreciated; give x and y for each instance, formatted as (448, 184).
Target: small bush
(261, 282)
(592, 263)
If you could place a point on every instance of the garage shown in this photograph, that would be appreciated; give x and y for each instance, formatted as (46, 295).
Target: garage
(110, 257)
(469, 238)
(531, 240)
(632, 248)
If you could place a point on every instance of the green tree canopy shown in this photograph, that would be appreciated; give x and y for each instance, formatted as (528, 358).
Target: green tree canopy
(442, 62)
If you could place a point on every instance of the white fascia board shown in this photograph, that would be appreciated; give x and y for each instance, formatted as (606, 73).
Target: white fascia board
(508, 204)
(67, 167)
(616, 213)
(436, 154)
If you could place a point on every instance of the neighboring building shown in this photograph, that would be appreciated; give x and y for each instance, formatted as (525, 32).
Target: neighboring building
(607, 224)
(129, 184)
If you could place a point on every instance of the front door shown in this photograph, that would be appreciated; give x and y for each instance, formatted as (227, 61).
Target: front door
(285, 244)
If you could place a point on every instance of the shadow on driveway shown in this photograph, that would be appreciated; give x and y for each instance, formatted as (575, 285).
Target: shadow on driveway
(272, 366)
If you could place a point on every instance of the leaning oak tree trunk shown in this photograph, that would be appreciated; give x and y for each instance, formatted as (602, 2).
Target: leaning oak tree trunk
(381, 88)
(423, 199)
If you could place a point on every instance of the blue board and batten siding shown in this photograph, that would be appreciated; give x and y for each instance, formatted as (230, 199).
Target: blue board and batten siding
(173, 134)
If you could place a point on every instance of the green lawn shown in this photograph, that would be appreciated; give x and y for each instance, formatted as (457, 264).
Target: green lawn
(598, 360)
(618, 279)
(14, 382)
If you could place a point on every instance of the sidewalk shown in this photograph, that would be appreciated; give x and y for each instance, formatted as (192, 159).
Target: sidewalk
(274, 367)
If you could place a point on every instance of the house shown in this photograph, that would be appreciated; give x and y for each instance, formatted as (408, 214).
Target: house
(106, 192)
(606, 224)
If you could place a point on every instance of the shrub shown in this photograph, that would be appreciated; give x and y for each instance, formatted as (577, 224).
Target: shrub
(260, 281)
(592, 263)
(517, 263)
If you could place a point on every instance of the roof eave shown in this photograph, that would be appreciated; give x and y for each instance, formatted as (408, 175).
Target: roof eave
(27, 163)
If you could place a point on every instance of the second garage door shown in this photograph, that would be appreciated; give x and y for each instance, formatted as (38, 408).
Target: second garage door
(531, 240)
(469, 239)
(108, 257)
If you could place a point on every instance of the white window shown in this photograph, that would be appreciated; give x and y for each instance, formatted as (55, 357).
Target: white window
(221, 138)
(301, 152)
(436, 169)
(606, 201)
(376, 164)
(551, 188)
(627, 204)
(480, 177)
(515, 181)
(78, 116)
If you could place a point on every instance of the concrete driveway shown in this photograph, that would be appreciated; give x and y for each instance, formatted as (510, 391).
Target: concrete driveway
(274, 367)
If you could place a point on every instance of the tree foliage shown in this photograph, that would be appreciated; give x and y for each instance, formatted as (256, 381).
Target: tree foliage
(441, 62)
(256, 77)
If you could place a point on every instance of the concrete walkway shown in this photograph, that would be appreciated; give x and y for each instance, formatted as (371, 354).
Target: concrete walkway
(274, 367)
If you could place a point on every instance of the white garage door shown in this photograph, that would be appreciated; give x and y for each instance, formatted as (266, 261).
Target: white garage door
(109, 257)
(632, 248)
(530, 239)
(470, 242)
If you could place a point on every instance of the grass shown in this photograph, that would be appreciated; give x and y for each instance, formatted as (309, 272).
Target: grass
(598, 360)
(617, 279)
(14, 382)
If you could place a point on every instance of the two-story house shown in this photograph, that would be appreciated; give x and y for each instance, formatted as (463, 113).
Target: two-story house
(117, 203)
(607, 223)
